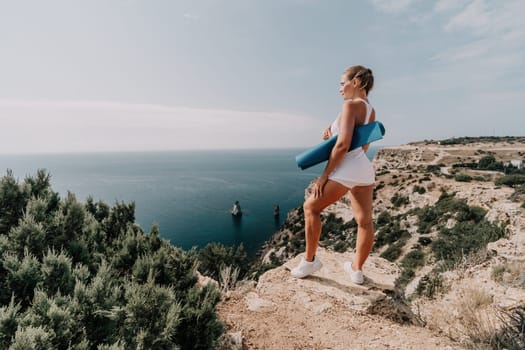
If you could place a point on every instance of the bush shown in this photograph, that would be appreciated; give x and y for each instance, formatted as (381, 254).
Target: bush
(463, 177)
(215, 256)
(511, 180)
(465, 165)
(419, 189)
(406, 276)
(429, 285)
(473, 213)
(57, 273)
(8, 323)
(424, 178)
(399, 200)
(512, 334)
(479, 178)
(434, 168)
(22, 276)
(424, 241)
(390, 233)
(413, 259)
(58, 291)
(464, 238)
(340, 247)
(487, 163)
(393, 251)
(32, 338)
(447, 207)
(383, 219)
(28, 235)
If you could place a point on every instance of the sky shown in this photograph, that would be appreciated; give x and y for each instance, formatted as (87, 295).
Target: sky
(93, 76)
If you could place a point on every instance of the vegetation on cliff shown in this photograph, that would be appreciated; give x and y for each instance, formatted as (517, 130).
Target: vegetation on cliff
(480, 139)
(84, 276)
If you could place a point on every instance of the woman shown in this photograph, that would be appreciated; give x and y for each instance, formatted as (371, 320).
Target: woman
(345, 172)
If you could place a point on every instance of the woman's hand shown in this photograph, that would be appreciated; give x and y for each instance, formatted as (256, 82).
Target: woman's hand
(319, 186)
(327, 134)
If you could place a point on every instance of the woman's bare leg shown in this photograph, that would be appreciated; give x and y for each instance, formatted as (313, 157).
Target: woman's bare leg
(312, 214)
(362, 198)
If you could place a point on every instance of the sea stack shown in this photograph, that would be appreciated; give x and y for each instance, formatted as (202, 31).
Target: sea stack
(236, 210)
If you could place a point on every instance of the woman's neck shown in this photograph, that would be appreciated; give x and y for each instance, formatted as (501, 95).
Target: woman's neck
(359, 94)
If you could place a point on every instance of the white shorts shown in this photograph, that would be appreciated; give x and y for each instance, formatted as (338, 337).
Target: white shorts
(355, 170)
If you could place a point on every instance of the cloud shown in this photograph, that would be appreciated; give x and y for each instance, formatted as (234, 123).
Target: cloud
(475, 17)
(442, 6)
(393, 6)
(39, 127)
(497, 31)
(189, 16)
(481, 17)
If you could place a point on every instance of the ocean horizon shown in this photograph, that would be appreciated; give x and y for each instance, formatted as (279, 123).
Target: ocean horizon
(188, 193)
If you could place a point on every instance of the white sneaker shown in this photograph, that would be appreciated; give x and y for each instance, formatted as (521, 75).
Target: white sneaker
(355, 276)
(306, 268)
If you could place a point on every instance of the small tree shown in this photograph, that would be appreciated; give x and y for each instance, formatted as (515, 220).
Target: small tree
(13, 200)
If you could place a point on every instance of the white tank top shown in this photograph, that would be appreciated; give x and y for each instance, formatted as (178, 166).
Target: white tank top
(334, 128)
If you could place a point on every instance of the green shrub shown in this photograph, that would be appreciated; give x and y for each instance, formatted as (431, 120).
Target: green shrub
(393, 251)
(406, 276)
(473, 213)
(464, 238)
(390, 233)
(447, 207)
(8, 322)
(487, 162)
(511, 180)
(383, 219)
(429, 285)
(22, 276)
(56, 315)
(463, 177)
(201, 326)
(57, 273)
(419, 189)
(58, 291)
(340, 247)
(465, 165)
(32, 338)
(399, 200)
(424, 178)
(423, 240)
(28, 235)
(479, 178)
(13, 200)
(433, 168)
(214, 256)
(413, 259)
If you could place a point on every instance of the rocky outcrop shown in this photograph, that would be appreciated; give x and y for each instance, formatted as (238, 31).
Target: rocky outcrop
(326, 310)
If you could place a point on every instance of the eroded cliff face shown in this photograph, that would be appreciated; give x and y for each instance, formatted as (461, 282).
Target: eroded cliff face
(423, 202)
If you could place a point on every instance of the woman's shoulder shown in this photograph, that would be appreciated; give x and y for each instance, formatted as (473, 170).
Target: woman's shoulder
(353, 106)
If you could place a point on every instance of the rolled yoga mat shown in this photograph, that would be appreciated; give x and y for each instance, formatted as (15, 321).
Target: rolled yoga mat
(363, 134)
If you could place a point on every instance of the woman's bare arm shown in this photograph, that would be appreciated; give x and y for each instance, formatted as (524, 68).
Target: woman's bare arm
(372, 118)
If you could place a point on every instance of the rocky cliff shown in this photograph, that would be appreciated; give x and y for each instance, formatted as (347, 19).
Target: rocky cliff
(446, 271)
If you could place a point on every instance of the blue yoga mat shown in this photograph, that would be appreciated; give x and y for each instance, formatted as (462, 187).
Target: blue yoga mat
(363, 134)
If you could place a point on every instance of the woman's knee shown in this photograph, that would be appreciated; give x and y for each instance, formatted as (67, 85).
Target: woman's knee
(310, 208)
(365, 222)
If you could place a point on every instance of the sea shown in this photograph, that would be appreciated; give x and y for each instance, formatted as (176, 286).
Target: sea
(189, 194)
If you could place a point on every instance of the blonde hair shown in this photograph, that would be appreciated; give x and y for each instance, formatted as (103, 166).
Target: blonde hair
(364, 75)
